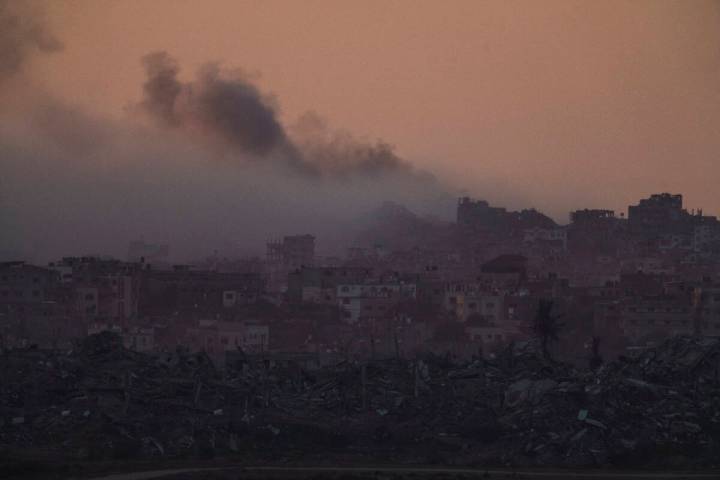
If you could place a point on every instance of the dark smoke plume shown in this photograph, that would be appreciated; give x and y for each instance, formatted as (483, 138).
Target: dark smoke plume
(343, 155)
(228, 108)
(232, 109)
(21, 35)
(235, 109)
(97, 183)
(162, 87)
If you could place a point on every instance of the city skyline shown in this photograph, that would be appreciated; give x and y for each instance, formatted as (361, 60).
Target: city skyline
(359, 239)
(527, 106)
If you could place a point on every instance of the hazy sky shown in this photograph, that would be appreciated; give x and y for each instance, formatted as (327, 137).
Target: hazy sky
(562, 103)
(552, 104)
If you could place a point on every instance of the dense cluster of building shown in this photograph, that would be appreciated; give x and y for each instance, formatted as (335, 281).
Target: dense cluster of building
(463, 288)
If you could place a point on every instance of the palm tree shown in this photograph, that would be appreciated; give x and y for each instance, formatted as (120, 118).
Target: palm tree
(546, 325)
(596, 359)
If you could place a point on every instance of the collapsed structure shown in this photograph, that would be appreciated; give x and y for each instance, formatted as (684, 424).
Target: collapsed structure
(101, 401)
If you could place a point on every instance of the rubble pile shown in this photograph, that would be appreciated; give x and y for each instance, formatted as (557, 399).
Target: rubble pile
(101, 401)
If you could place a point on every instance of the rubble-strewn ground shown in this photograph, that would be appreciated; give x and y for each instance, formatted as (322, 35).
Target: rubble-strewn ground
(102, 403)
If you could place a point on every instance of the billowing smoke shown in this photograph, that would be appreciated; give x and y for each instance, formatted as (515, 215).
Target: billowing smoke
(228, 107)
(162, 88)
(64, 192)
(22, 34)
(215, 170)
(232, 109)
(340, 154)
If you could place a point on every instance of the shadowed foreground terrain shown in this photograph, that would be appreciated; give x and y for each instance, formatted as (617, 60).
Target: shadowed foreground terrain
(101, 404)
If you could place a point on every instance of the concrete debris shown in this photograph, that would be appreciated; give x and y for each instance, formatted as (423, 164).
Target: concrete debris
(101, 401)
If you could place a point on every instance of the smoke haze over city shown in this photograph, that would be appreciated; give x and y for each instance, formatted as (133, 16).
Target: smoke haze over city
(359, 239)
(224, 126)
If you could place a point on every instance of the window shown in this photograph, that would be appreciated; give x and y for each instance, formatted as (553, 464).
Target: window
(36, 293)
(89, 296)
(346, 301)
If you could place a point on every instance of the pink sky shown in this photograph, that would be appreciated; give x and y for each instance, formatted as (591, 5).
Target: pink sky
(553, 104)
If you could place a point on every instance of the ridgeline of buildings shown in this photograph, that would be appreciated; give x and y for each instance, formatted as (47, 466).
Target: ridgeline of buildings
(463, 288)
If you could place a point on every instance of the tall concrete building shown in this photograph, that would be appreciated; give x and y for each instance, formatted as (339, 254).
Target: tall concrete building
(287, 255)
